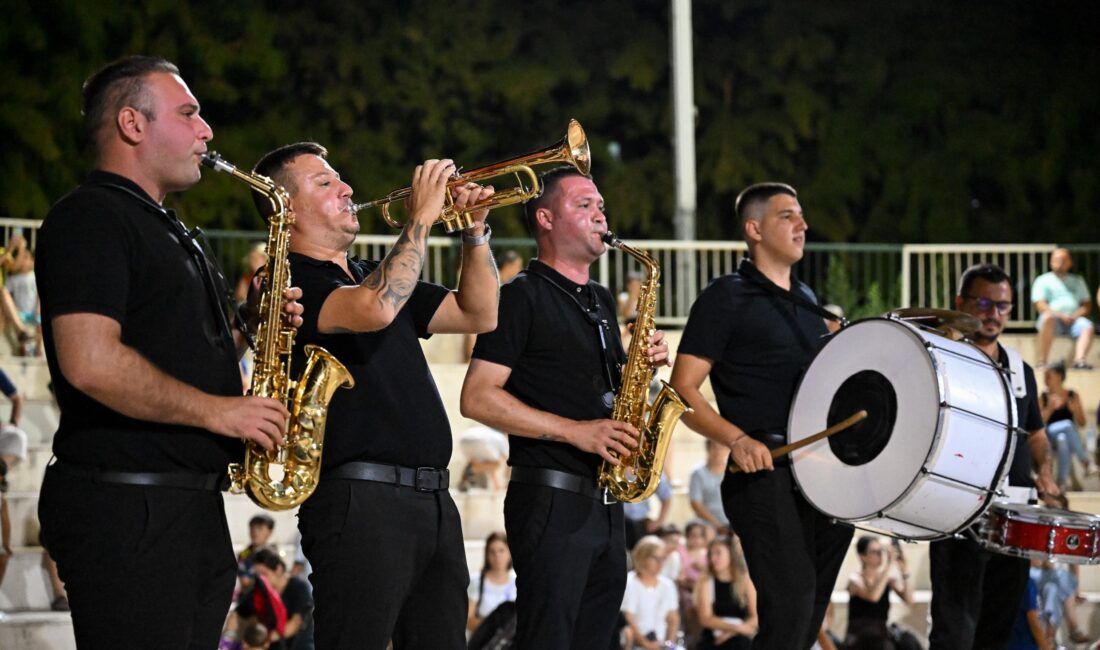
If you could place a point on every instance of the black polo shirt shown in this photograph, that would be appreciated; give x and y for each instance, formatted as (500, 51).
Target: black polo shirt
(760, 344)
(394, 415)
(544, 335)
(104, 251)
(1029, 418)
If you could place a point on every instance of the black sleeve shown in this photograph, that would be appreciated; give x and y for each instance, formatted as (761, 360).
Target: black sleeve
(245, 608)
(297, 598)
(505, 344)
(710, 324)
(84, 256)
(316, 285)
(423, 303)
(1034, 416)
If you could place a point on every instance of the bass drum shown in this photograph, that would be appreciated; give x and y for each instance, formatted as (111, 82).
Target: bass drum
(938, 439)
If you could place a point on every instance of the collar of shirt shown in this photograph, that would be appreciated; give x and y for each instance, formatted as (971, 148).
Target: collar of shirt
(354, 264)
(559, 279)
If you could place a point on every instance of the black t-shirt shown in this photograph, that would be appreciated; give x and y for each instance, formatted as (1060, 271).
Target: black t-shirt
(104, 251)
(760, 344)
(394, 414)
(552, 346)
(1028, 418)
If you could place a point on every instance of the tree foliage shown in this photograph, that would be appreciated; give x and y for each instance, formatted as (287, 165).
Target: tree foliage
(902, 121)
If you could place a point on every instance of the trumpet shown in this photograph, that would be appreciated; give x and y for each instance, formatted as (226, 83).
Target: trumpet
(572, 149)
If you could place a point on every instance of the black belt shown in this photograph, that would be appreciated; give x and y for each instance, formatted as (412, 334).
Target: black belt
(424, 479)
(218, 482)
(584, 485)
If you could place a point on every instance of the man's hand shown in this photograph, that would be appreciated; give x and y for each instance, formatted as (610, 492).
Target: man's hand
(1045, 484)
(1066, 319)
(608, 438)
(292, 309)
(261, 420)
(429, 188)
(751, 455)
(657, 354)
(473, 194)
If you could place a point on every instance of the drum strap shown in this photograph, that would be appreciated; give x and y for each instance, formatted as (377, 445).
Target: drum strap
(797, 297)
(1016, 368)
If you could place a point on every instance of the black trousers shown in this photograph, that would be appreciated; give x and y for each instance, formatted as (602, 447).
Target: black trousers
(569, 554)
(388, 563)
(793, 553)
(144, 567)
(976, 595)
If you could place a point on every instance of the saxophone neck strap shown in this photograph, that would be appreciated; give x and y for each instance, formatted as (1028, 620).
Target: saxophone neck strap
(194, 242)
(612, 373)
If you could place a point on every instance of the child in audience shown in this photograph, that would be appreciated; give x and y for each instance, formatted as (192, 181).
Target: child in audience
(650, 603)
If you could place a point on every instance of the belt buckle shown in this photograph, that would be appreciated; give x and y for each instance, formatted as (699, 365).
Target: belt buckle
(423, 482)
(608, 500)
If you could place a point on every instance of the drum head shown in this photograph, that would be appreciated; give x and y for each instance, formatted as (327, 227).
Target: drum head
(884, 367)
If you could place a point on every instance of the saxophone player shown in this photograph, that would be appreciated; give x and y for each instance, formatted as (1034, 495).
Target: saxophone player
(381, 530)
(144, 365)
(547, 376)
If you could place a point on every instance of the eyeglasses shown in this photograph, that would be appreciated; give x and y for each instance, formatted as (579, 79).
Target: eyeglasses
(985, 304)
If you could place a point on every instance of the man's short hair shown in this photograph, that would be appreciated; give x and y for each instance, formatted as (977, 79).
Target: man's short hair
(991, 273)
(115, 86)
(274, 164)
(509, 256)
(262, 520)
(549, 179)
(750, 203)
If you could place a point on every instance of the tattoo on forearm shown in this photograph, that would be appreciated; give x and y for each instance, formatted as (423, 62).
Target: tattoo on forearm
(397, 275)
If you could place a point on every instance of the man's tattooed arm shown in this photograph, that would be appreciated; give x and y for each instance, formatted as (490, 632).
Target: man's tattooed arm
(395, 278)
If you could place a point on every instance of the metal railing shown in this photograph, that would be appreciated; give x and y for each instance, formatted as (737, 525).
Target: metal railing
(903, 275)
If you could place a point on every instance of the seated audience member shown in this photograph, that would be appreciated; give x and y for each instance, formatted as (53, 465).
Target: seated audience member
(12, 393)
(275, 589)
(486, 452)
(674, 558)
(1063, 413)
(882, 570)
(725, 598)
(260, 529)
(705, 486)
(636, 520)
(13, 449)
(1028, 632)
(1063, 302)
(693, 566)
(17, 265)
(494, 584)
(650, 604)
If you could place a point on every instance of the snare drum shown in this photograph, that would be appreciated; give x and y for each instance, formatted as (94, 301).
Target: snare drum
(938, 439)
(1041, 533)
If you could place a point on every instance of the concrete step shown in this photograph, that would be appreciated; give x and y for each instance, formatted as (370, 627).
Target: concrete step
(26, 584)
(37, 631)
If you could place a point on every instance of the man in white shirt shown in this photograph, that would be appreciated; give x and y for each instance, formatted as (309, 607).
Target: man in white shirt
(1062, 300)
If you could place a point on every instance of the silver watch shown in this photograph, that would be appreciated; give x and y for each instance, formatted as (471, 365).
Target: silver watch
(483, 238)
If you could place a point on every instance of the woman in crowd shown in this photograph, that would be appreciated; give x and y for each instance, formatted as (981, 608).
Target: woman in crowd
(725, 599)
(881, 571)
(693, 566)
(1063, 414)
(495, 584)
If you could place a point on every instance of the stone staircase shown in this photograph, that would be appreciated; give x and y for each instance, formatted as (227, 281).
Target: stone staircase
(25, 594)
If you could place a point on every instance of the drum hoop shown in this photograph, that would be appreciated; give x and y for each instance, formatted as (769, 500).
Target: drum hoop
(926, 344)
(911, 331)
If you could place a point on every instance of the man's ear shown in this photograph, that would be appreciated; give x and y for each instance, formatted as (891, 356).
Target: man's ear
(752, 231)
(132, 124)
(544, 219)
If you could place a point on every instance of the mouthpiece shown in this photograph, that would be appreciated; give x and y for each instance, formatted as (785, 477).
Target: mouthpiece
(212, 160)
(610, 239)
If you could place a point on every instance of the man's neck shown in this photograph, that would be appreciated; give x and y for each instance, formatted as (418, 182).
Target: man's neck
(575, 271)
(778, 272)
(990, 347)
(134, 172)
(319, 251)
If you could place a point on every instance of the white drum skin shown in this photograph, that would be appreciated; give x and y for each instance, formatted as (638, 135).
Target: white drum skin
(951, 443)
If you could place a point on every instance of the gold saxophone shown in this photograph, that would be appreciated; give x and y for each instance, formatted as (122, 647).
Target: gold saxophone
(299, 457)
(636, 476)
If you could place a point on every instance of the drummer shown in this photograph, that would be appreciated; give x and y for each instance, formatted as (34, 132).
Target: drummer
(976, 593)
(753, 332)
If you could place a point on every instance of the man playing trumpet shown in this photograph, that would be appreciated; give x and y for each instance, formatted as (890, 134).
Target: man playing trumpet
(381, 531)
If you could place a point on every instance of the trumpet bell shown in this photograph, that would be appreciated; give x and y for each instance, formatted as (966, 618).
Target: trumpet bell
(573, 149)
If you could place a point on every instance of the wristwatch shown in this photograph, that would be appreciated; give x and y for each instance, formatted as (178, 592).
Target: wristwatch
(479, 240)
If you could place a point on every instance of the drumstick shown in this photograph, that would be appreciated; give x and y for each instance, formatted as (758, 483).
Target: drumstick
(858, 416)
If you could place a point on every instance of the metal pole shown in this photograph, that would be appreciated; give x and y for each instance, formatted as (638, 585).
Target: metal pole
(683, 112)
